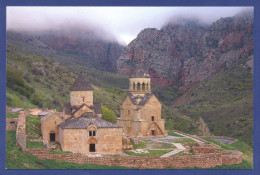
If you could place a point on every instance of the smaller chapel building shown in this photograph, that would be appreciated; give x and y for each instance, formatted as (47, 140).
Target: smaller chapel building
(140, 110)
(80, 127)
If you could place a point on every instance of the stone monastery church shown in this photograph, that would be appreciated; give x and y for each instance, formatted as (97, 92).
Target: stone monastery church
(81, 129)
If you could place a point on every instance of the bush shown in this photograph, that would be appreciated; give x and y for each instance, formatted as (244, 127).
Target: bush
(108, 114)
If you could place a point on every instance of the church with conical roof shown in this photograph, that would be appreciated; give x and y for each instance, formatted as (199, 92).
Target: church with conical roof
(80, 127)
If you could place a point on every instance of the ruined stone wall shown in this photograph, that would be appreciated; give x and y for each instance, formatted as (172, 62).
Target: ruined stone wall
(77, 100)
(201, 161)
(21, 131)
(11, 124)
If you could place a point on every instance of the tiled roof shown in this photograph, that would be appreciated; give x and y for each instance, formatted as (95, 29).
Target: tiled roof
(81, 84)
(85, 120)
(143, 100)
(43, 119)
(78, 109)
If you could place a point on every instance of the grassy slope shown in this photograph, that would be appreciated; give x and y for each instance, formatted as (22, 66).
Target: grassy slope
(225, 103)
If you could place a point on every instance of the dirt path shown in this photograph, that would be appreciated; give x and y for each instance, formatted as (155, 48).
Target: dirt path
(175, 151)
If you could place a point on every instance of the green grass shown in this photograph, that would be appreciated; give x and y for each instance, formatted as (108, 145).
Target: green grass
(30, 144)
(141, 145)
(151, 153)
(171, 133)
(12, 115)
(224, 146)
(33, 124)
(183, 140)
(16, 159)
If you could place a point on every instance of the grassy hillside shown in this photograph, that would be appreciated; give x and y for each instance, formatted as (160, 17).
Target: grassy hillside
(50, 74)
(225, 103)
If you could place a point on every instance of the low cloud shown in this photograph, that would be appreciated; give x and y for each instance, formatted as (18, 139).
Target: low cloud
(108, 23)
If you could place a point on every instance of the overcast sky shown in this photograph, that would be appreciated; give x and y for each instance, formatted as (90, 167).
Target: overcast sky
(124, 23)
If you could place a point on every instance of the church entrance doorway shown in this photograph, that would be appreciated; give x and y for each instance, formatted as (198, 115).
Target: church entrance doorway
(52, 137)
(153, 133)
(92, 147)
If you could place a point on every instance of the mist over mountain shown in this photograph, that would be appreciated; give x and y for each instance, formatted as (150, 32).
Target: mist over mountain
(93, 44)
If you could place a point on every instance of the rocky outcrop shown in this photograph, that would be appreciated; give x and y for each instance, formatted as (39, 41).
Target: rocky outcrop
(202, 128)
(189, 52)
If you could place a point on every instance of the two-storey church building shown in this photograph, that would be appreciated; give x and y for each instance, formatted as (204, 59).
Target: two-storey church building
(140, 110)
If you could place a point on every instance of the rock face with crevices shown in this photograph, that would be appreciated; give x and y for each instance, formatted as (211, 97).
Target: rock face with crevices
(189, 52)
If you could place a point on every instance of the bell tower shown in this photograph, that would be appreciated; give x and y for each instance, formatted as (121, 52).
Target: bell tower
(140, 85)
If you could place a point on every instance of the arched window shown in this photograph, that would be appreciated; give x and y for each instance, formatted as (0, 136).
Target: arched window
(138, 86)
(143, 86)
(152, 118)
(92, 131)
(134, 86)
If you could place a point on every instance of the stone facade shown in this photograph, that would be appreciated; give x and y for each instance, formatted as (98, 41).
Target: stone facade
(78, 98)
(106, 140)
(49, 127)
(140, 111)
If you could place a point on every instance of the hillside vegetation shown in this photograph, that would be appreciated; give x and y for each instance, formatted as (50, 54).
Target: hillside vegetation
(225, 103)
(51, 76)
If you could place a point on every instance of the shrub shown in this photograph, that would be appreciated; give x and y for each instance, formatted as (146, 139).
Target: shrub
(108, 114)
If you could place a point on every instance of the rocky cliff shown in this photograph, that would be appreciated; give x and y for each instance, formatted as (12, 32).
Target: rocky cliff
(187, 52)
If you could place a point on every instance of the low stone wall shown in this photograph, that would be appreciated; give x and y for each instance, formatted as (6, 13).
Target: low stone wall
(11, 124)
(230, 157)
(20, 131)
(202, 161)
(203, 150)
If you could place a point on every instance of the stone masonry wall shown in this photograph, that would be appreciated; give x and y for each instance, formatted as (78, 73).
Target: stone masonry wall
(202, 161)
(203, 150)
(20, 131)
(11, 124)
